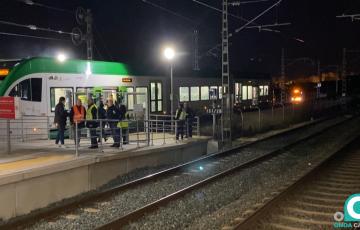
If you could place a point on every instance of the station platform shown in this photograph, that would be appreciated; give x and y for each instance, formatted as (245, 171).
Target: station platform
(38, 173)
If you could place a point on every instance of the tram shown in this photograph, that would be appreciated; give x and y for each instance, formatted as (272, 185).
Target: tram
(39, 82)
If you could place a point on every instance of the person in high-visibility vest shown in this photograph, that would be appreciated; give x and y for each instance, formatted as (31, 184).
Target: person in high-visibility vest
(180, 117)
(123, 124)
(77, 117)
(91, 114)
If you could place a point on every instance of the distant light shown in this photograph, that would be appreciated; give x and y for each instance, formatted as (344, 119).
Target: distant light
(61, 57)
(201, 168)
(34, 129)
(88, 69)
(29, 2)
(296, 91)
(32, 27)
(169, 54)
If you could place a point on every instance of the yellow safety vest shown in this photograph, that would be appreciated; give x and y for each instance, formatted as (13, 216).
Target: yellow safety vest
(182, 114)
(124, 124)
(89, 115)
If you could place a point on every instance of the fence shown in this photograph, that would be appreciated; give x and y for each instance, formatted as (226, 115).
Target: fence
(141, 133)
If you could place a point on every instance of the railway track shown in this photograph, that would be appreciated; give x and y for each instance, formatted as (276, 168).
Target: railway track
(314, 200)
(98, 202)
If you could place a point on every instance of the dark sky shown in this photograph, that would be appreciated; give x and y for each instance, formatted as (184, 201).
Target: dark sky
(134, 32)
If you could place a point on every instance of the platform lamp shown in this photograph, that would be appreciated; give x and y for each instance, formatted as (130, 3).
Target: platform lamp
(169, 54)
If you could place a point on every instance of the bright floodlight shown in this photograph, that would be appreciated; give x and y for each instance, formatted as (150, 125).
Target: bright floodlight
(61, 57)
(169, 53)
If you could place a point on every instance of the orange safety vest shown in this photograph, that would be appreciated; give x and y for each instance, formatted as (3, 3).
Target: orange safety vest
(78, 115)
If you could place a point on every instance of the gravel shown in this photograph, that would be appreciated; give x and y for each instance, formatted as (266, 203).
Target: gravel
(218, 204)
(103, 211)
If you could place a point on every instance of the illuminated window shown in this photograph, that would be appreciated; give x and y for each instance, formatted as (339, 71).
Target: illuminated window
(204, 93)
(156, 96)
(56, 93)
(184, 94)
(266, 90)
(130, 98)
(244, 93)
(141, 99)
(195, 93)
(214, 92)
(261, 90)
(250, 92)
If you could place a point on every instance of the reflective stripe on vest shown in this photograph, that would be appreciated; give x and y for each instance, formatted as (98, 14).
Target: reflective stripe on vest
(89, 115)
(78, 116)
(124, 123)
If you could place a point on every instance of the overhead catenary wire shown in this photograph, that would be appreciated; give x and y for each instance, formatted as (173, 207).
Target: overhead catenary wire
(32, 36)
(33, 3)
(169, 11)
(34, 27)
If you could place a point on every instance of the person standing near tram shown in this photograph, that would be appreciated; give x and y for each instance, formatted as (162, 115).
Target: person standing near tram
(180, 117)
(91, 124)
(123, 124)
(60, 121)
(113, 114)
(77, 117)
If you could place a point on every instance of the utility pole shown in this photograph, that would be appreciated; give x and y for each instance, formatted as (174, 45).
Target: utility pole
(89, 34)
(282, 78)
(226, 135)
(319, 83)
(343, 74)
(196, 50)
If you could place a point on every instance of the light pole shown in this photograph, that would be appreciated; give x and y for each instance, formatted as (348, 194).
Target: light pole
(169, 54)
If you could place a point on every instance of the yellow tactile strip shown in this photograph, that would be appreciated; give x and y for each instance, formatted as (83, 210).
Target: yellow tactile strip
(40, 161)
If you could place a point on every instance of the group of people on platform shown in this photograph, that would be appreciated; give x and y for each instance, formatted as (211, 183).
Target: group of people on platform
(113, 115)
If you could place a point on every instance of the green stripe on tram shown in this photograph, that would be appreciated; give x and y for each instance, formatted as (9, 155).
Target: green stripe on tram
(51, 65)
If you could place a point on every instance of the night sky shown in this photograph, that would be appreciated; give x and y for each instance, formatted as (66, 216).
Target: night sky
(134, 32)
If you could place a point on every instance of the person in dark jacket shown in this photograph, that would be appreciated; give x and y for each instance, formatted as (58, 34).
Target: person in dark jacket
(113, 113)
(180, 117)
(77, 117)
(91, 124)
(60, 121)
(102, 116)
(190, 115)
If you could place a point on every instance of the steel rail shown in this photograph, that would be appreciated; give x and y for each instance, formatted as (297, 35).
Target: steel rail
(139, 213)
(251, 221)
(93, 196)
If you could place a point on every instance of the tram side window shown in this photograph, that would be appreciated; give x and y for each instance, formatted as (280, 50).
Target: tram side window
(266, 90)
(204, 93)
(184, 94)
(56, 93)
(156, 96)
(244, 93)
(195, 94)
(141, 99)
(250, 92)
(261, 88)
(36, 88)
(28, 90)
(130, 98)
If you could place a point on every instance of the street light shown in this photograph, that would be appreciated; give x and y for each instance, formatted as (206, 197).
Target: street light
(61, 57)
(169, 54)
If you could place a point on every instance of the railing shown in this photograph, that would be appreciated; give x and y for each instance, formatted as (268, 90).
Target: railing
(139, 132)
